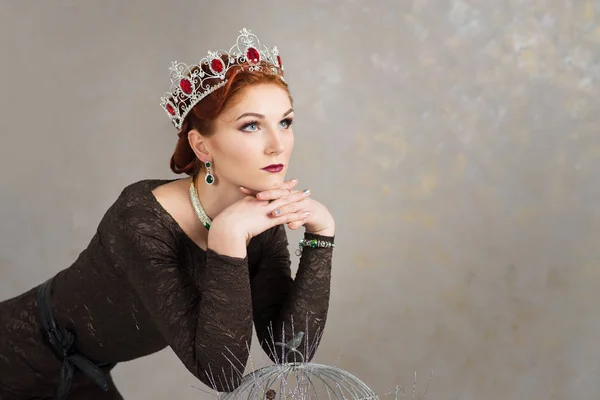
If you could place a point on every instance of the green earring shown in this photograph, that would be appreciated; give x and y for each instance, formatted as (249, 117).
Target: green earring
(209, 178)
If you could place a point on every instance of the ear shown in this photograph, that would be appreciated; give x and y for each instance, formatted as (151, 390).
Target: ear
(199, 145)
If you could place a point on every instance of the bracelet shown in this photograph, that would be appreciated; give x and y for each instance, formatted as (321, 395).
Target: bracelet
(313, 243)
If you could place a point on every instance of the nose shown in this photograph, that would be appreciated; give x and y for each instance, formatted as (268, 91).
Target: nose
(274, 142)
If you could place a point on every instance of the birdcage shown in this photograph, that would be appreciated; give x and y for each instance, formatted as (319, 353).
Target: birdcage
(292, 378)
(299, 380)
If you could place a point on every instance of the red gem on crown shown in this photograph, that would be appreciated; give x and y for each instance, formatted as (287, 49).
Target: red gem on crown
(217, 65)
(253, 55)
(186, 86)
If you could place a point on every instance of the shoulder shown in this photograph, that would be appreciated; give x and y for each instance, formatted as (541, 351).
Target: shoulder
(136, 211)
(139, 193)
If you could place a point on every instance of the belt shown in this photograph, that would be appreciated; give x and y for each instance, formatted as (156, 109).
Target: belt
(62, 341)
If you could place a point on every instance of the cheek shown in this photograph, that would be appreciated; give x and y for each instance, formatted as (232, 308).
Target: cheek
(240, 151)
(289, 143)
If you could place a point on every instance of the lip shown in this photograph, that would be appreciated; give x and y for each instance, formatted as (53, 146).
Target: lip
(273, 168)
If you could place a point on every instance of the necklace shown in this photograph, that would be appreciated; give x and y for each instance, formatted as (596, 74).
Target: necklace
(206, 221)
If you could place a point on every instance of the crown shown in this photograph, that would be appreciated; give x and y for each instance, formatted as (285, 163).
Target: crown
(192, 83)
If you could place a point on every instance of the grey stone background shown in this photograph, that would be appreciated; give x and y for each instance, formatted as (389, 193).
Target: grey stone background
(456, 143)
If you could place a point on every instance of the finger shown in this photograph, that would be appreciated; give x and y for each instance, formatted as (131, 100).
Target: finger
(273, 194)
(297, 224)
(293, 207)
(290, 184)
(292, 218)
(284, 190)
(283, 201)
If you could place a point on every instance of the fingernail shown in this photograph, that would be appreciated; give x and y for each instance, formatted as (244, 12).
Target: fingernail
(277, 212)
(306, 214)
(259, 195)
(306, 191)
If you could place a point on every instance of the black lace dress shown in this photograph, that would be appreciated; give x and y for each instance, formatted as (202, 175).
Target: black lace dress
(142, 284)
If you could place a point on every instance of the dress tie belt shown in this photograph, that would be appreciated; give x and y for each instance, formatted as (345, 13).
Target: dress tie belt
(62, 341)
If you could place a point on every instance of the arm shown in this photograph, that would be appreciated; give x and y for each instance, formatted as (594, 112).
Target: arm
(278, 299)
(205, 316)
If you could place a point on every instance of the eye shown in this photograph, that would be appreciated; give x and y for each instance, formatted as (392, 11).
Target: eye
(250, 127)
(286, 123)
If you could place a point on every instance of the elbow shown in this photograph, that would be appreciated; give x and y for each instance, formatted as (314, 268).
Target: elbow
(222, 382)
(223, 372)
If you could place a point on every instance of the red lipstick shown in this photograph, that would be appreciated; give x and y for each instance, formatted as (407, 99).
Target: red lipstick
(273, 168)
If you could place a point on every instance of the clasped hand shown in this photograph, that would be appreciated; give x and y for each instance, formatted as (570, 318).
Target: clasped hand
(259, 211)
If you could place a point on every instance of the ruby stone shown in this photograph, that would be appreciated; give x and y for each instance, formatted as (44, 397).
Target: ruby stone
(217, 65)
(186, 86)
(253, 55)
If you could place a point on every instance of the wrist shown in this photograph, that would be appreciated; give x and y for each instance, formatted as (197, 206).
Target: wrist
(314, 240)
(327, 231)
(226, 240)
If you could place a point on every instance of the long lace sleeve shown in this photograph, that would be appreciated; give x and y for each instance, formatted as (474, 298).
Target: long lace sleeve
(206, 317)
(283, 306)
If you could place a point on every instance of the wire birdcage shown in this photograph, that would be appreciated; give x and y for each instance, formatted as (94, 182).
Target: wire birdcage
(295, 379)
(292, 378)
(301, 381)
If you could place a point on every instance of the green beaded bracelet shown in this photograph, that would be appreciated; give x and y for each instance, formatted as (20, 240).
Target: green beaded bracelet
(313, 243)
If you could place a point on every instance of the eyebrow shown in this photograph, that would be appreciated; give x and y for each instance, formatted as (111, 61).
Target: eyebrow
(260, 115)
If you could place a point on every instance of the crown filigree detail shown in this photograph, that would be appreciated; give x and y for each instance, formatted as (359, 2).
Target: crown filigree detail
(192, 83)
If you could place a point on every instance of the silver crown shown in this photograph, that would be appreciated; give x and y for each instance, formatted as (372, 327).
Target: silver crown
(192, 83)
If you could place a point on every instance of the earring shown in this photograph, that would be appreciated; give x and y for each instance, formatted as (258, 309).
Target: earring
(209, 178)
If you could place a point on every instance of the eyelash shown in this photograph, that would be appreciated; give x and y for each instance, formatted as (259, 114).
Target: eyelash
(288, 121)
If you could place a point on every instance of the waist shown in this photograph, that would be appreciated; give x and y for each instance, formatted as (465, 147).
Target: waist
(62, 343)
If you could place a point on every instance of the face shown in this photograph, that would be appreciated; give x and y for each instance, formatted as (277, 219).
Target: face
(253, 139)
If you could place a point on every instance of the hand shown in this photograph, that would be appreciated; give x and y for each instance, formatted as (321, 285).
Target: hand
(254, 214)
(318, 220)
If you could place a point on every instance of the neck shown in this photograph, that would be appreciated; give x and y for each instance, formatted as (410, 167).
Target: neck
(216, 197)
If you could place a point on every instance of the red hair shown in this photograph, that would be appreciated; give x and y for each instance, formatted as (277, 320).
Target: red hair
(202, 116)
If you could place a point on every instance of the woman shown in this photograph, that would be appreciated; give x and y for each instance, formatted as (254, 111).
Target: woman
(189, 263)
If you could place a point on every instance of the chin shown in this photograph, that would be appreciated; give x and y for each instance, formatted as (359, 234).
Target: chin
(273, 185)
(267, 184)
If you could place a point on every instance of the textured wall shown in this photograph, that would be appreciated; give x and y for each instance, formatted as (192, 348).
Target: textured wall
(455, 141)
